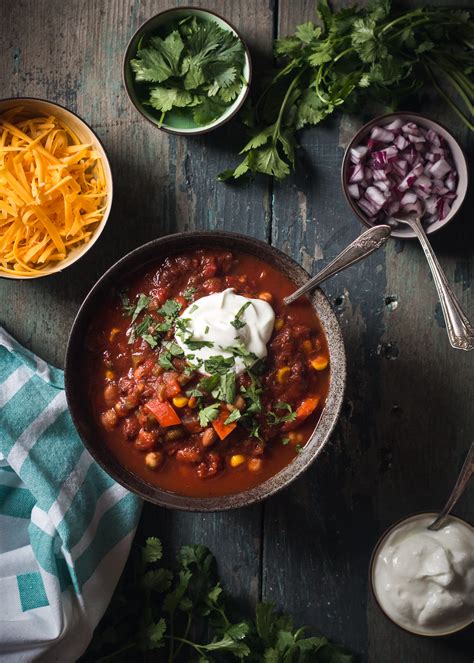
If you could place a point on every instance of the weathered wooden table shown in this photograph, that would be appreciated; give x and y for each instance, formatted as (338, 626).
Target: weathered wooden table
(408, 417)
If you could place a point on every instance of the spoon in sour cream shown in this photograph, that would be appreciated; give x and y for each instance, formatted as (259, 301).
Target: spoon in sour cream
(465, 474)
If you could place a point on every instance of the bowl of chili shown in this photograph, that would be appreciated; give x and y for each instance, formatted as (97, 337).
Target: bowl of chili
(210, 436)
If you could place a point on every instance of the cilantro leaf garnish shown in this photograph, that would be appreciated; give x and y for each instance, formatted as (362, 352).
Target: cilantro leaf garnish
(274, 418)
(218, 364)
(198, 345)
(188, 294)
(170, 309)
(208, 414)
(237, 322)
(233, 416)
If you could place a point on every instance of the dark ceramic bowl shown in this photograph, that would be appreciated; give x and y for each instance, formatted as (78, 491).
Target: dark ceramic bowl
(373, 559)
(77, 391)
(404, 232)
(175, 123)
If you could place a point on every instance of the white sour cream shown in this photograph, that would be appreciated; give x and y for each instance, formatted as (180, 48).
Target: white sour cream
(424, 580)
(209, 319)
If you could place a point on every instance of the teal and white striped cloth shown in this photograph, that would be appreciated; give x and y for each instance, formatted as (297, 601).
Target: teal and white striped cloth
(65, 526)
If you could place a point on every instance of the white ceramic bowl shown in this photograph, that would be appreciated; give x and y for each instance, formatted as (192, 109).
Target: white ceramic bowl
(404, 232)
(455, 628)
(85, 134)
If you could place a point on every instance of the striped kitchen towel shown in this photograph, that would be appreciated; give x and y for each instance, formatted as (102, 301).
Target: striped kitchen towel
(65, 526)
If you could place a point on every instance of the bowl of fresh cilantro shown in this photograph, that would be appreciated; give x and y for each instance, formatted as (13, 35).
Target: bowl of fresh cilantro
(187, 70)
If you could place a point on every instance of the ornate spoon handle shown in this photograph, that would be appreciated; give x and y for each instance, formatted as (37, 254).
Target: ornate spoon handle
(459, 329)
(466, 473)
(364, 245)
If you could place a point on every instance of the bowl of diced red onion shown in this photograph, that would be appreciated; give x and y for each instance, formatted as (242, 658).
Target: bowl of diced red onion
(401, 164)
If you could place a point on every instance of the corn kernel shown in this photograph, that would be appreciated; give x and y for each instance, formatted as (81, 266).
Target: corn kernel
(282, 374)
(266, 297)
(319, 363)
(113, 333)
(307, 346)
(236, 460)
(180, 401)
(279, 324)
(109, 375)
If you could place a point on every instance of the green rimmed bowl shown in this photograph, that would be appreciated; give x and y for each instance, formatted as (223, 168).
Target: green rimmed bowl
(175, 120)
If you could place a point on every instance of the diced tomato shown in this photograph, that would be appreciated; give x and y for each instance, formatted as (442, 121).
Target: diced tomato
(172, 386)
(163, 412)
(221, 428)
(209, 267)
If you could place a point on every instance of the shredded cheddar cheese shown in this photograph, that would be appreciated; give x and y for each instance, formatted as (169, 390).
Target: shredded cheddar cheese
(52, 192)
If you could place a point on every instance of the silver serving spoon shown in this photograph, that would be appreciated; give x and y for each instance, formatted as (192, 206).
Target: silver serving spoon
(465, 474)
(364, 245)
(459, 329)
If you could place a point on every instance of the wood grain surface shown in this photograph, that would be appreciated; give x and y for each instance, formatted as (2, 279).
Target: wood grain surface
(408, 417)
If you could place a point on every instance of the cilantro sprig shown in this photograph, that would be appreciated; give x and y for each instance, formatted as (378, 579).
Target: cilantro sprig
(181, 614)
(357, 55)
(197, 67)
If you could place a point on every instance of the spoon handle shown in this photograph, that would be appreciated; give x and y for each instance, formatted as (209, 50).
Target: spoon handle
(364, 245)
(466, 473)
(459, 329)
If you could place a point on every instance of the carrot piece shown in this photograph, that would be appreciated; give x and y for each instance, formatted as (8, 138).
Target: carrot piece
(307, 407)
(164, 413)
(222, 429)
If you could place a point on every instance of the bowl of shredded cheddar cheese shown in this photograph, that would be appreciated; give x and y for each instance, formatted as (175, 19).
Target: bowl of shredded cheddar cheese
(55, 188)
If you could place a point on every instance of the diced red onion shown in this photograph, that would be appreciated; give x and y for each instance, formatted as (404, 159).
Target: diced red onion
(440, 168)
(410, 128)
(353, 190)
(375, 196)
(408, 198)
(382, 135)
(407, 181)
(386, 155)
(357, 174)
(424, 183)
(413, 172)
(395, 125)
(358, 153)
(401, 142)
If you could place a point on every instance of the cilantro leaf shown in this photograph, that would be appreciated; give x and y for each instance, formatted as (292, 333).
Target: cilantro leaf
(233, 416)
(237, 322)
(158, 580)
(153, 550)
(160, 60)
(218, 364)
(152, 637)
(208, 414)
(188, 294)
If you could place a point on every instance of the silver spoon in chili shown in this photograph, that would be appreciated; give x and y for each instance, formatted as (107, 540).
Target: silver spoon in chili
(459, 329)
(364, 245)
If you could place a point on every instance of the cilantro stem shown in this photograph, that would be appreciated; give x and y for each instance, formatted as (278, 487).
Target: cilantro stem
(185, 634)
(448, 99)
(283, 105)
(401, 19)
(184, 641)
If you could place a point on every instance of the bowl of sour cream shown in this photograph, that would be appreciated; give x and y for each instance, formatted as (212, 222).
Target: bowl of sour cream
(422, 580)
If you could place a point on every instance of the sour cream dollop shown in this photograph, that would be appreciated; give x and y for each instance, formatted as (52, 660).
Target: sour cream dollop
(225, 321)
(424, 580)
